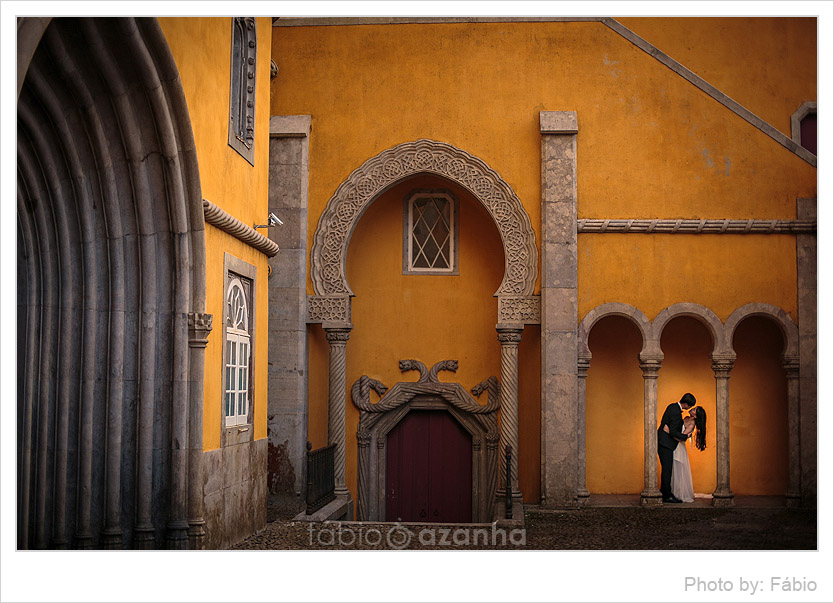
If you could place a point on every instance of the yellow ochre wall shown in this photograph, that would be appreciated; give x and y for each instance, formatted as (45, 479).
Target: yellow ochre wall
(202, 50)
(650, 145)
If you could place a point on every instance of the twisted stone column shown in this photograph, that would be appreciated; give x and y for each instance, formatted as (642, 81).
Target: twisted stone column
(793, 496)
(363, 439)
(337, 338)
(650, 365)
(722, 365)
(582, 365)
(509, 337)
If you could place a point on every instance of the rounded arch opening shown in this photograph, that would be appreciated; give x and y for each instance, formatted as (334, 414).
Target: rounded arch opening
(759, 456)
(614, 408)
(687, 344)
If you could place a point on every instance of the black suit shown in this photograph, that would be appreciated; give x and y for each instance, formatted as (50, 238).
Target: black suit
(666, 444)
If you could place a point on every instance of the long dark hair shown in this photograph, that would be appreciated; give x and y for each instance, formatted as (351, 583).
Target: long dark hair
(701, 426)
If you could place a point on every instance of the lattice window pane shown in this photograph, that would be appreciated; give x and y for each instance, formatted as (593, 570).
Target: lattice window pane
(431, 233)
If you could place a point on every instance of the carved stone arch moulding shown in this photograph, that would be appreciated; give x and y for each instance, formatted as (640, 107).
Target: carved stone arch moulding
(704, 315)
(613, 309)
(789, 330)
(376, 175)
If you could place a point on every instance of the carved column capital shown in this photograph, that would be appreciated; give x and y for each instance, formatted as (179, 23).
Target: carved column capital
(722, 364)
(509, 335)
(363, 438)
(583, 363)
(199, 327)
(338, 335)
(650, 365)
(791, 366)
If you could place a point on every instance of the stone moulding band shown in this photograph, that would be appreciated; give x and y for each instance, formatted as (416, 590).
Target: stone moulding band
(229, 224)
(698, 226)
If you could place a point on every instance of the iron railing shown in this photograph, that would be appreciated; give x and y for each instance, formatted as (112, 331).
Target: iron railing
(320, 477)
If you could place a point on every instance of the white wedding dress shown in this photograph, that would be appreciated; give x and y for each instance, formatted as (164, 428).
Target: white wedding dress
(682, 474)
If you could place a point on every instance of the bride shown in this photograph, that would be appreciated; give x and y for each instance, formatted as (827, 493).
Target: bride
(681, 473)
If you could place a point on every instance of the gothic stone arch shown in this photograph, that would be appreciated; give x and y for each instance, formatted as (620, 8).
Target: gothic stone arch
(376, 175)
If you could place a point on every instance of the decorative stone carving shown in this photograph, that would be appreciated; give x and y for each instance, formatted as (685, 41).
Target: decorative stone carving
(519, 309)
(229, 224)
(199, 327)
(377, 174)
(702, 226)
(328, 309)
(377, 419)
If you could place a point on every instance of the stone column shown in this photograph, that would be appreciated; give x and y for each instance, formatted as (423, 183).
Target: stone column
(793, 496)
(722, 365)
(559, 309)
(199, 327)
(650, 365)
(337, 337)
(289, 137)
(582, 365)
(806, 282)
(509, 336)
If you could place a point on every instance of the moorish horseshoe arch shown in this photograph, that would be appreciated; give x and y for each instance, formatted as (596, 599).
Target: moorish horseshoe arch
(376, 175)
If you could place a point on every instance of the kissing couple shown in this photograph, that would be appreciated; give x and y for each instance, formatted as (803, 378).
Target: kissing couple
(675, 474)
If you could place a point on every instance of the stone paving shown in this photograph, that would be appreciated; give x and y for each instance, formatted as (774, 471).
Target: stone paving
(607, 524)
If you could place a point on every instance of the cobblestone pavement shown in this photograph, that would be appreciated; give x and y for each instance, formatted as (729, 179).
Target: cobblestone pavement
(594, 528)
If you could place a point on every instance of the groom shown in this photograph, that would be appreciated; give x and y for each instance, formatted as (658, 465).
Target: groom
(667, 442)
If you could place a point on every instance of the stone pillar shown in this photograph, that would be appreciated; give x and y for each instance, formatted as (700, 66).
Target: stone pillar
(509, 336)
(722, 365)
(582, 365)
(199, 327)
(650, 365)
(559, 446)
(793, 496)
(337, 337)
(287, 391)
(806, 282)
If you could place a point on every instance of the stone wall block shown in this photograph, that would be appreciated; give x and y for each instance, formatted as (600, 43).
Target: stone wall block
(289, 270)
(559, 274)
(212, 471)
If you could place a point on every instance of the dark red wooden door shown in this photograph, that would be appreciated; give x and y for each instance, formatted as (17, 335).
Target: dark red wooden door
(429, 469)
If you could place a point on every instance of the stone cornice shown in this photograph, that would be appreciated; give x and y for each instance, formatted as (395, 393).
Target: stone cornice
(697, 226)
(229, 224)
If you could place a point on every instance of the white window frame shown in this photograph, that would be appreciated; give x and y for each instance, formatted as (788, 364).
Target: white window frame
(408, 235)
(238, 358)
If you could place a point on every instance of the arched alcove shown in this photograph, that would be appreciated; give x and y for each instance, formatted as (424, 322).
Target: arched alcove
(614, 408)
(759, 457)
(687, 343)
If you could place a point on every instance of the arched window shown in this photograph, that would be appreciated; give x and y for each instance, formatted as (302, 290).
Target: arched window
(804, 126)
(238, 354)
(242, 93)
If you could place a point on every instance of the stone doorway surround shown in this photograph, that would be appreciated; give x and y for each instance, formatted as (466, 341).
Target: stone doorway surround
(377, 420)
(330, 306)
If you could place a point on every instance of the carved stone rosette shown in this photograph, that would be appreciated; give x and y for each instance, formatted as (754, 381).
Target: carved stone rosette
(376, 420)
